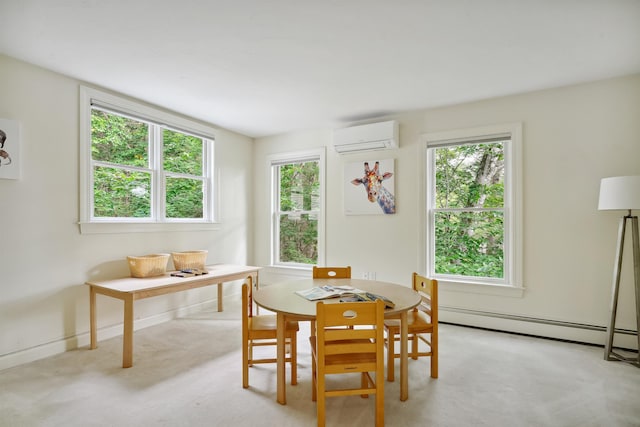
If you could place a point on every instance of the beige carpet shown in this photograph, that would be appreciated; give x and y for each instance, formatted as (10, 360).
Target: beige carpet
(187, 372)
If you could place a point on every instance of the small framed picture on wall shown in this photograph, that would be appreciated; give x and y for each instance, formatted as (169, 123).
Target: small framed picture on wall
(9, 149)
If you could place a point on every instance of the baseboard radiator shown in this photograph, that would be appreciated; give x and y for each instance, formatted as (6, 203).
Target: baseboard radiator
(527, 319)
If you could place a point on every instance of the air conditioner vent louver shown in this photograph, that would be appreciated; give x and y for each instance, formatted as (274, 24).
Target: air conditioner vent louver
(373, 136)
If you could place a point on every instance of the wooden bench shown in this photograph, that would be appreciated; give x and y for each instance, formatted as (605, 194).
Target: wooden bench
(130, 289)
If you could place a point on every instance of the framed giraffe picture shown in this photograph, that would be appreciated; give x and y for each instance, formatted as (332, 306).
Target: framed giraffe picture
(369, 187)
(9, 149)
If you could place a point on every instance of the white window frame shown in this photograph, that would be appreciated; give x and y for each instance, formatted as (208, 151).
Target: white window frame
(139, 111)
(511, 284)
(294, 157)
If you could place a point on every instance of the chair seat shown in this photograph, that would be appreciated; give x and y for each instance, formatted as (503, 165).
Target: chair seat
(269, 323)
(415, 320)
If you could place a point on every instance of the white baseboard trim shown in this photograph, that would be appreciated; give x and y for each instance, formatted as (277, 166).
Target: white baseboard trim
(83, 339)
(561, 330)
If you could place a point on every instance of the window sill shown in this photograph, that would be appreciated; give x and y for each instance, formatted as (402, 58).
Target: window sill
(480, 288)
(279, 273)
(138, 227)
(289, 270)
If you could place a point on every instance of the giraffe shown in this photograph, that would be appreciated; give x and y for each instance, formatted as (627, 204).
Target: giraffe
(3, 153)
(372, 182)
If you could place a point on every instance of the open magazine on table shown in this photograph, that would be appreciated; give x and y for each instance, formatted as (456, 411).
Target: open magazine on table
(368, 296)
(327, 291)
(345, 293)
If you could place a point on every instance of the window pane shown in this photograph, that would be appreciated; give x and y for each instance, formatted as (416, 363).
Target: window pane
(119, 193)
(185, 198)
(118, 139)
(299, 186)
(182, 153)
(299, 238)
(469, 243)
(470, 175)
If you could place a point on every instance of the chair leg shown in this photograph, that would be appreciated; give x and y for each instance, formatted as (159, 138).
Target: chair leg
(294, 359)
(414, 346)
(245, 363)
(312, 328)
(379, 402)
(314, 385)
(391, 343)
(314, 377)
(321, 401)
(434, 355)
(364, 383)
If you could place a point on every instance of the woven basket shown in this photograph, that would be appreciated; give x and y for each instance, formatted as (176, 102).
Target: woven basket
(148, 265)
(189, 259)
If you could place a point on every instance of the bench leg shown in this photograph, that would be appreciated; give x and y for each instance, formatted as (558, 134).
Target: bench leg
(127, 344)
(92, 318)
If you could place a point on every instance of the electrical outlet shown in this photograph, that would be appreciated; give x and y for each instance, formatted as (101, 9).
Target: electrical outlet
(369, 275)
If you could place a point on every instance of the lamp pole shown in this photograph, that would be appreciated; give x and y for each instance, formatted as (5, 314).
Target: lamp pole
(609, 354)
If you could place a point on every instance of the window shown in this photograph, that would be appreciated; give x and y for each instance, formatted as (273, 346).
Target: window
(143, 166)
(473, 205)
(297, 219)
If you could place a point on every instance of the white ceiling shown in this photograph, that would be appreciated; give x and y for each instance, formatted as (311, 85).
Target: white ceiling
(263, 67)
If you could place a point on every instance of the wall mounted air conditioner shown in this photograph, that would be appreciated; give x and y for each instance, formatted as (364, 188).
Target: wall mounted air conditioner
(373, 136)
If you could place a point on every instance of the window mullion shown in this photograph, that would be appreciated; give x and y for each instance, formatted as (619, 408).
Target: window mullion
(430, 199)
(96, 163)
(207, 165)
(298, 212)
(158, 178)
(275, 258)
(468, 209)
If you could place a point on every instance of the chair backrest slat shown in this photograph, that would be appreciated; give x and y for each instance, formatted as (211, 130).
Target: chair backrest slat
(349, 347)
(332, 272)
(349, 334)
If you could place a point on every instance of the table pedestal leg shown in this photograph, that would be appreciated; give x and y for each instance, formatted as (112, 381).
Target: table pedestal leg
(127, 343)
(220, 297)
(404, 357)
(280, 370)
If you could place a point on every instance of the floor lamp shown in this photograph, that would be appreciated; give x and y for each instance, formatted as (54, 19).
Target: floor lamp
(622, 193)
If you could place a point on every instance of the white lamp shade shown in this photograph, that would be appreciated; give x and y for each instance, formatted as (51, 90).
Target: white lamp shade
(619, 193)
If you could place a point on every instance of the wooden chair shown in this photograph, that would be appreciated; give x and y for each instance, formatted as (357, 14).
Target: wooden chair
(331, 272)
(349, 339)
(261, 331)
(422, 320)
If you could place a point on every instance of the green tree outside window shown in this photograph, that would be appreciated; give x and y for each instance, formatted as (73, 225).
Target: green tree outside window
(123, 169)
(469, 210)
(298, 212)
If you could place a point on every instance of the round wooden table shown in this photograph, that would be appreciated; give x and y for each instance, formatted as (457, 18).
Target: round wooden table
(282, 299)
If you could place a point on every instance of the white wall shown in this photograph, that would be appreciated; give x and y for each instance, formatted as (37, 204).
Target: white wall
(572, 137)
(45, 260)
